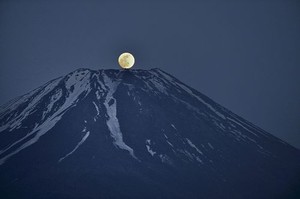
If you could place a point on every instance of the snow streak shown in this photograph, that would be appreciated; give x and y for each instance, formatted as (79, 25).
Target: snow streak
(77, 146)
(112, 122)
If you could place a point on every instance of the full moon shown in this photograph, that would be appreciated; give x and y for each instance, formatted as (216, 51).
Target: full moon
(126, 60)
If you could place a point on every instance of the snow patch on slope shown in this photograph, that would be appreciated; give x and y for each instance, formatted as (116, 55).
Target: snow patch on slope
(169, 143)
(148, 143)
(53, 100)
(211, 146)
(39, 130)
(112, 122)
(193, 146)
(97, 109)
(16, 122)
(241, 125)
(165, 159)
(77, 146)
(188, 90)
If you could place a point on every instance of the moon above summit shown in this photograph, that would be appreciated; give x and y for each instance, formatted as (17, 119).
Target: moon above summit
(126, 60)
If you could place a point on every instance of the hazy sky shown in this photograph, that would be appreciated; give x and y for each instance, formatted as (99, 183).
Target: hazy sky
(245, 55)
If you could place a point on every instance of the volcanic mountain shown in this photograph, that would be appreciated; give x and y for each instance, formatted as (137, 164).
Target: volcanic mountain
(136, 134)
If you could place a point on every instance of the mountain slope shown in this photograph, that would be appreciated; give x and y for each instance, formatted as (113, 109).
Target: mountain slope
(133, 134)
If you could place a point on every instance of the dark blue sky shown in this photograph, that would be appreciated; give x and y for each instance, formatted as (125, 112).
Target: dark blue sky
(245, 55)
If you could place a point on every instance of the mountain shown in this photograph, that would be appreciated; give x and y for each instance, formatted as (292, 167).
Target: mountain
(136, 134)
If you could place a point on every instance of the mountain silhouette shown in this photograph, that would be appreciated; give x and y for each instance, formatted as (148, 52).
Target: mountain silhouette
(136, 134)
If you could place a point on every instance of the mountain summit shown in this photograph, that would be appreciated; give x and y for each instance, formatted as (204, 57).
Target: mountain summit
(136, 134)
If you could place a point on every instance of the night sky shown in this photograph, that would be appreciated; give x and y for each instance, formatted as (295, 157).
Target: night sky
(245, 55)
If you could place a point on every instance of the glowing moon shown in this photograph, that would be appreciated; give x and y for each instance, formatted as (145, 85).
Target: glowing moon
(126, 60)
